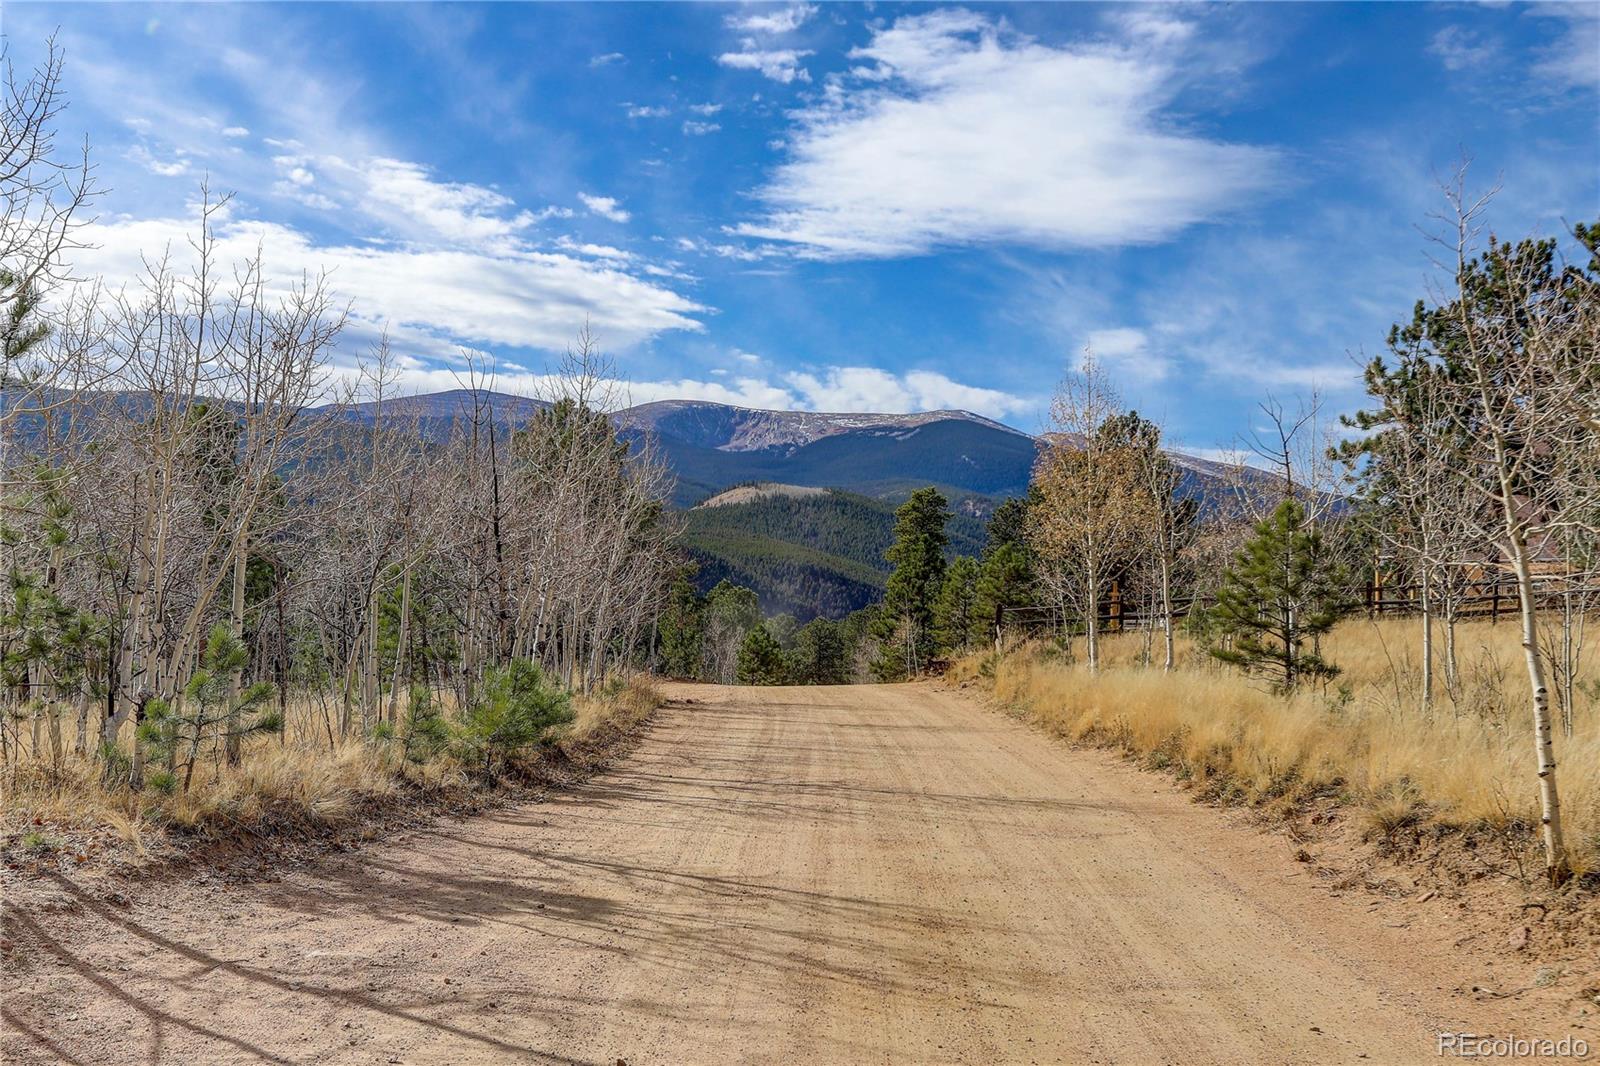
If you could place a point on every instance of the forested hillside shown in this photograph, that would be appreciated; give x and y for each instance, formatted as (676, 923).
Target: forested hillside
(807, 556)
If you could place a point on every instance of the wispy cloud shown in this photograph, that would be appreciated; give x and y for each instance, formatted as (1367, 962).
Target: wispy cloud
(509, 295)
(1459, 48)
(166, 168)
(607, 59)
(773, 20)
(604, 206)
(694, 128)
(857, 388)
(957, 130)
(1572, 60)
(778, 64)
(1129, 355)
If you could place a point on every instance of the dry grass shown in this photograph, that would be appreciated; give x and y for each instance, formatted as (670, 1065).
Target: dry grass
(299, 785)
(1364, 739)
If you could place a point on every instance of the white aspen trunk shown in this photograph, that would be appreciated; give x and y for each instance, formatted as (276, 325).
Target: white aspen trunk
(1427, 645)
(1549, 797)
(1166, 612)
(1452, 671)
(1568, 663)
(236, 623)
(369, 667)
(400, 648)
(1091, 618)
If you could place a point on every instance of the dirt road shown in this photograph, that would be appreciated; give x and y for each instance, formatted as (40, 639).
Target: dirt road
(846, 875)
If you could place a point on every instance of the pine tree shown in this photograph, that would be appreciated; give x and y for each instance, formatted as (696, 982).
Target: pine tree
(761, 660)
(731, 612)
(176, 729)
(905, 618)
(1281, 592)
(517, 707)
(1005, 582)
(683, 630)
(955, 611)
(821, 653)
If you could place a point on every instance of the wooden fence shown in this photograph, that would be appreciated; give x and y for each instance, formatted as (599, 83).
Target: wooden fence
(1490, 599)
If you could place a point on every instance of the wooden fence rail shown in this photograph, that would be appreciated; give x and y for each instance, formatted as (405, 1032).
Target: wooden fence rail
(1487, 598)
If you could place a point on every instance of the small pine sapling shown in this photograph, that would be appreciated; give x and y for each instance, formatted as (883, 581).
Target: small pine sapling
(515, 709)
(177, 728)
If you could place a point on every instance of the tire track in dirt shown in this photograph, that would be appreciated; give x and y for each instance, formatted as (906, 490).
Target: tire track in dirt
(873, 874)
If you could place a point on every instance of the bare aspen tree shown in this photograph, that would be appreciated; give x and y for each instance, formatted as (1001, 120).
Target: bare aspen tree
(1497, 352)
(1091, 503)
(44, 196)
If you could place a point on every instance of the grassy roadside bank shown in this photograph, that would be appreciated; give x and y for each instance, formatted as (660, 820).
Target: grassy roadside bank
(295, 796)
(1361, 744)
(1434, 815)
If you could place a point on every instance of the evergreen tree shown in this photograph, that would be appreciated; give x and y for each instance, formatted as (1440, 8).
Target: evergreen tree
(955, 612)
(427, 731)
(905, 618)
(176, 730)
(731, 611)
(1009, 524)
(783, 628)
(1281, 592)
(761, 660)
(1005, 581)
(516, 708)
(682, 629)
(821, 653)
(21, 331)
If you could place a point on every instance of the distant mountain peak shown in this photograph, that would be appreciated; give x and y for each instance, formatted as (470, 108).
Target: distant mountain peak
(727, 427)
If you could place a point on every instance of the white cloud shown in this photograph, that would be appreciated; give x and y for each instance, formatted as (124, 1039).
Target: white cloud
(782, 20)
(1155, 23)
(605, 207)
(1572, 61)
(868, 389)
(965, 132)
(705, 109)
(741, 392)
(404, 196)
(454, 211)
(302, 195)
(167, 168)
(438, 296)
(832, 389)
(782, 64)
(1458, 48)
(235, 131)
(692, 128)
(1126, 353)
(722, 251)
(639, 111)
(596, 251)
(607, 59)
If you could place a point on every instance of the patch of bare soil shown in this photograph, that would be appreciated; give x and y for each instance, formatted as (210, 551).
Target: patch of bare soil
(865, 874)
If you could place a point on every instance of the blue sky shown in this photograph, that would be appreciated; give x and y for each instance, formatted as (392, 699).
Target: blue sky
(883, 207)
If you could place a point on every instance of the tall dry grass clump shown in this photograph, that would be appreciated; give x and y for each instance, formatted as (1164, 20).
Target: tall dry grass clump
(298, 782)
(1362, 739)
